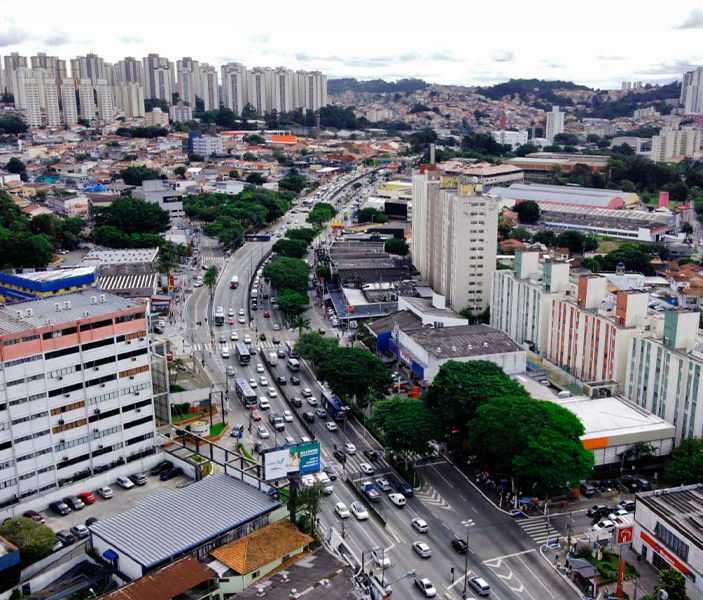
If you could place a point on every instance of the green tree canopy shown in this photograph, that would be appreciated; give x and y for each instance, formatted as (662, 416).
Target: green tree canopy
(292, 303)
(407, 424)
(672, 580)
(527, 211)
(309, 501)
(288, 273)
(180, 171)
(371, 215)
(33, 539)
(256, 179)
(16, 166)
(132, 215)
(135, 175)
(315, 347)
(396, 246)
(290, 248)
(461, 387)
(210, 278)
(577, 242)
(546, 237)
(686, 465)
(19, 245)
(142, 132)
(321, 213)
(352, 372)
(293, 181)
(12, 124)
(301, 233)
(520, 234)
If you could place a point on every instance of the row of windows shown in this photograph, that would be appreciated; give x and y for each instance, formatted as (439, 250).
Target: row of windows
(38, 415)
(34, 454)
(19, 361)
(69, 426)
(103, 397)
(134, 371)
(70, 444)
(16, 401)
(31, 436)
(66, 408)
(25, 380)
(106, 432)
(671, 541)
(57, 333)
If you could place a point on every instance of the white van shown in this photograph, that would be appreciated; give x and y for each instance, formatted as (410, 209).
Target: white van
(264, 403)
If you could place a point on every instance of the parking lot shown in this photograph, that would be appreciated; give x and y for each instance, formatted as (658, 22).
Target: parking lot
(121, 501)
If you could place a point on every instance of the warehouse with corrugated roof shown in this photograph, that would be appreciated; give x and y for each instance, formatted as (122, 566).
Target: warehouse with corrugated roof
(560, 195)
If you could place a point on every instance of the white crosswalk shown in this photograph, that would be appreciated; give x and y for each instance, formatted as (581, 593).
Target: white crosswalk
(429, 495)
(268, 344)
(539, 529)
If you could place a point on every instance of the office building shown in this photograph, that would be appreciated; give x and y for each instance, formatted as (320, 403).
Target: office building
(86, 99)
(259, 89)
(692, 92)
(159, 78)
(103, 93)
(454, 241)
(210, 87)
(76, 392)
(676, 144)
(179, 113)
(234, 87)
(68, 102)
(89, 66)
(511, 138)
(555, 123)
(132, 100)
(166, 195)
(156, 117)
(12, 62)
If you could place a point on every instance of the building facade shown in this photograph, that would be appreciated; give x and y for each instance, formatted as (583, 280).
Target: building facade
(692, 92)
(679, 143)
(555, 123)
(132, 100)
(210, 87)
(234, 87)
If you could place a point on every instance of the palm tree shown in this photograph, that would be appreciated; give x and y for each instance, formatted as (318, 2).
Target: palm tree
(210, 279)
(300, 323)
(166, 263)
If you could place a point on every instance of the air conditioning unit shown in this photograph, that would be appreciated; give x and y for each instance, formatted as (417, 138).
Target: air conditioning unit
(129, 342)
(66, 304)
(61, 421)
(57, 306)
(62, 441)
(139, 410)
(102, 385)
(86, 313)
(134, 358)
(136, 393)
(97, 411)
(93, 299)
(67, 395)
(131, 376)
(30, 312)
(96, 368)
(96, 430)
(102, 298)
(60, 378)
(100, 446)
(65, 458)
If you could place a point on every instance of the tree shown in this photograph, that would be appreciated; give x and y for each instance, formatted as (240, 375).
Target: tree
(300, 323)
(12, 125)
(674, 583)
(175, 365)
(396, 246)
(16, 166)
(520, 234)
(352, 372)
(132, 215)
(420, 140)
(321, 213)
(301, 233)
(288, 273)
(573, 240)
(407, 424)
(256, 179)
(546, 237)
(290, 248)
(234, 174)
(255, 139)
(210, 279)
(293, 181)
(527, 211)
(309, 500)
(136, 175)
(686, 465)
(371, 215)
(166, 262)
(526, 149)
(460, 388)
(180, 171)
(33, 539)
(292, 303)
(687, 228)
(314, 347)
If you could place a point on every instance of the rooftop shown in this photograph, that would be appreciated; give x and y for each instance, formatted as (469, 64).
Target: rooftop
(111, 257)
(171, 521)
(462, 340)
(58, 274)
(681, 507)
(603, 217)
(559, 194)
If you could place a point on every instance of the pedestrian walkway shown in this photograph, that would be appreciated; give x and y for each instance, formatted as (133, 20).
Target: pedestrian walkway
(539, 529)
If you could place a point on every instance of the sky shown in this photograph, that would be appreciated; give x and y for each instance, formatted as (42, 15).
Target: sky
(462, 42)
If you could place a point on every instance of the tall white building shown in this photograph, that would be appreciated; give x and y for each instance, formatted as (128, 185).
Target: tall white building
(284, 90)
(684, 142)
(259, 89)
(103, 92)
(68, 101)
(555, 123)
(90, 66)
(51, 95)
(75, 393)
(86, 99)
(692, 92)
(454, 228)
(27, 97)
(189, 80)
(12, 62)
(132, 100)
(131, 70)
(210, 87)
(159, 78)
(312, 90)
(234, 86)
(55, 67)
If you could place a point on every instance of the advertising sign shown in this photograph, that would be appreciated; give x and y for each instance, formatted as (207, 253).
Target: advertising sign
(291, 460)
(624, 535)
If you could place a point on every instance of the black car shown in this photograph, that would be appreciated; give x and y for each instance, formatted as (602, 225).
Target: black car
(170, 474)
(599, 510)
(162, 466)
(642, 483)
(65, 537)
(628, 505)
(262, 336)
(459, 545)
(276, 340)
(266, 296)
(372, 455)
(404, 489)
(629, 483)
(280, 354)
(59, 508)
(295, 380)
(340, 456)
(331, 473)
(308, 416)
(281, 380)
(295, 401)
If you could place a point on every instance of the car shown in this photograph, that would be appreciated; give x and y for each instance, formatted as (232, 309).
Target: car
(422, 549)
(80, 531)
(230, 320)
(57, 546)
(383, 484)
(241, 320)
(597, 510)
(420, 525)
(459, 545)
(276, 340)
(350, 448)
(223, 339)
(397, 499)
(263, 382)
(289, 440)
(255, 415)
(247, 338)
(225, 352)
(358, 510)
(59, 508)
(306, 393)
(236, 430)
(65, 537)
(87, 497)
(331, 426)
(281, 380)
(170, 474)
(262, 336)
(280, 353)
(34, 515)
(366, 468)
(425, 586)
(404, 489)
(252, 382)
(230, 371)
(295, 380)
(262, 432)
(628, 505)
(267, 314)
(259, 447)
(338, 454)
(138, 478)
(272, 392)
(287, 416)
(331, 473)
(234, 336)
(372, 455)
(312, 401)
(587, 489)
(342, 511)
(380, 557)
(105, 492)
(605, 525)
(276, 327)
(74, 502)
(616, 515)
(642, 483)
(264, 403)
(629, 483)
(309, 416)
(320, 412)
(321, 331)
(479, 586)
(124, 482)
(297, 402)
(230, 312)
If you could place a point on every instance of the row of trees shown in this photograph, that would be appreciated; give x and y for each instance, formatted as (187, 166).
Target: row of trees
(575, 241)
(290, 278)
(321, 213)
(635, 257)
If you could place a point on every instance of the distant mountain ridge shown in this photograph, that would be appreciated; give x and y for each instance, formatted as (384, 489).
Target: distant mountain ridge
(374, 86)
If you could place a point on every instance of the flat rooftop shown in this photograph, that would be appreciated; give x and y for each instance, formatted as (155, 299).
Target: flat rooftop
(425, 306)
(112, 257)
(462, 340)
(58, 274)
(560, 194)
(681, 507)
(603, 217)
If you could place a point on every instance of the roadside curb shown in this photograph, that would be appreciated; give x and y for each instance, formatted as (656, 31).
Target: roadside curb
(572, 585)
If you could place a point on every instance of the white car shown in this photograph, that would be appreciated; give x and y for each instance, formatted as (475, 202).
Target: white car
(366, 468)
(262, 432)
(241, 320)
(420, 525)
(259, 368)
(341, 509)
(306, 393)
(252, 382)
(263, 381)
(331, 426)
(616, 515)
(124, 482)
(425, 586)
(272, 392)
(359, 511)
(287, 416)
(225, 352)
(247, 338)
(350, 449)
(264, 403)
(422, 549)
(397, 499)
(230, 312)
(234, 336)
(276, 327)
(105, 492)
(241, 312)
(605, 525)
(380, 558)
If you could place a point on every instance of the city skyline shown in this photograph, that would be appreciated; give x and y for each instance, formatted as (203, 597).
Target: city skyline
(476, 46)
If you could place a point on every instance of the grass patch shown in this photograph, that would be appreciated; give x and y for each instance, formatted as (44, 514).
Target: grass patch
(175, 388)
(244, 452)
(197, 458)
(608, 245)
(217, 429)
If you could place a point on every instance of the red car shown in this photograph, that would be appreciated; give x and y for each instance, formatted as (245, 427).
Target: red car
(255, 415)
(231, 320)
(267, 314)
(34, 515)
(87, 497)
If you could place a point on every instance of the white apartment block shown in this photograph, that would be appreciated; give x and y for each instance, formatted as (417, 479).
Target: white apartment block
(86, 99)
(89, 66)
(284, 90)
(692, 92)
(210, 87)
(312, 90)
(259, 89)
(180, 113)
(513, 138)
(132, 100)
(675, 143)
(103, 93)
(207, 145)
(131, 70)
(27, 96)
(68, 101)
(555, 123)
(51, 95)
(75, 392)
(191, 86)
(234, 87)
(664, 373)
(159, 78)
(454, 238)
(11, 63)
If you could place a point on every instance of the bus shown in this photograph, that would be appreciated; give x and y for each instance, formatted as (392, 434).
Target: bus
(219, 316)
(242, 351)
(257, 237)
(234, 282)
(244, 392)
(334, 406)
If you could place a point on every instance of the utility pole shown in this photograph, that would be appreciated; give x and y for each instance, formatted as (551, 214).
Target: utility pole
(468, 523)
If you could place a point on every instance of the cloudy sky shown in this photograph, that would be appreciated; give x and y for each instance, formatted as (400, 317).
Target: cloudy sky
(599, 43)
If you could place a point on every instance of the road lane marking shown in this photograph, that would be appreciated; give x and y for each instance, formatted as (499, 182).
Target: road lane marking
(499, 558)
(443, 477)
(539, 579)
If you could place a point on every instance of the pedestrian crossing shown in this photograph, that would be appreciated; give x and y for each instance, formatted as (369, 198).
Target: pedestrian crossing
(539, 529)
(429, 495)
(230, 345)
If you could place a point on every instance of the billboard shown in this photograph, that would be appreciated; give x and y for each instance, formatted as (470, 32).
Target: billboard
(292, 460)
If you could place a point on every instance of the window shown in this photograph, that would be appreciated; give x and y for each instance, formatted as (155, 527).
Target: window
(97, 344)
(68, 426)
(134, 371)
(47, 335)
(19, 361)
(96, 325)
(62, 352)
(127, 318)
(100, 380)
(671, 541)
(66, 408)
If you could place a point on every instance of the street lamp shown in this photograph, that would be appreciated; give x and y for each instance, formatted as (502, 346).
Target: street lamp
(468, 523)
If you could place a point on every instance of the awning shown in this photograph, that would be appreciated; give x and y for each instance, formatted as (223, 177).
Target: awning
(110, 555)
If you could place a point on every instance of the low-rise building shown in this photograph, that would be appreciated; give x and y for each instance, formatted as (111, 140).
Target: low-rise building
(156, 118)
(31, 285)
(164, 194)
(180, 113)
(559, 195)
(207, 145)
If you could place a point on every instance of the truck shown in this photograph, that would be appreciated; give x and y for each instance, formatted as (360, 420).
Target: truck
(325, 482)
(272, 359)
(369, 490)
(234, 282)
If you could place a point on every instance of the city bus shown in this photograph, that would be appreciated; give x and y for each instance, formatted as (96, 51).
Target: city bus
(334, 406)
(246, 395)
(257, 237)
(234, 282)
(242, 351)
(219, 316)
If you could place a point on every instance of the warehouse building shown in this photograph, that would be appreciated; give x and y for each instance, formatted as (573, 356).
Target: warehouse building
(560, 195)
